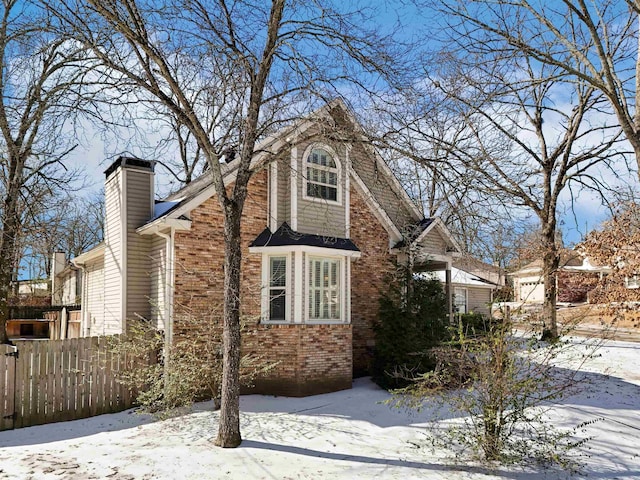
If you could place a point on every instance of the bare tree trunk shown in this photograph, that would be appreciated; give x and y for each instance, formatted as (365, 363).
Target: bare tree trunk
(229, 427)
(7, 254)
(551, 261)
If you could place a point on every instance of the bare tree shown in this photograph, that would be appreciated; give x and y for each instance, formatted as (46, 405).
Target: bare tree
(525, 134)
(69, 224)
(40, 92)
(593, 42)
(250, 64)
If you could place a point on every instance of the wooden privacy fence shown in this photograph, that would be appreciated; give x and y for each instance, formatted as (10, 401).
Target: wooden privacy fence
(58, 380)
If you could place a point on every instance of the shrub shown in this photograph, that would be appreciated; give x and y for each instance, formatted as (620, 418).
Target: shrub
(502, 384)
(407, 328)
(185, 372)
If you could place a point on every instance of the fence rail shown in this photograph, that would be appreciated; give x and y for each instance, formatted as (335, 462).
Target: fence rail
(58, 380)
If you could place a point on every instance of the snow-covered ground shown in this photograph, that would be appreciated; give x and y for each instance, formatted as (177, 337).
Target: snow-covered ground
(343, 435)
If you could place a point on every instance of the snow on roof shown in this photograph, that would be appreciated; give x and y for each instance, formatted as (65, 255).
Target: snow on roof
(160, 208)
(460, 277)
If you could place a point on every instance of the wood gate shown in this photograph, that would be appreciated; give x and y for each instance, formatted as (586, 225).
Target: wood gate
(8, 356)
(58, 380)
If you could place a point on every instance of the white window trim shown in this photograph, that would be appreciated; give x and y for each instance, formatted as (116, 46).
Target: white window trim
(266, 290)
(632, 282)
(294, 256)
(344, 293)
(303, 171)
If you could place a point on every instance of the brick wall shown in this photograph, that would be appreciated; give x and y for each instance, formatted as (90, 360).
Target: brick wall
(312, 359)
(199, 256)
(369, 277)
(574, 286)
(308, 359)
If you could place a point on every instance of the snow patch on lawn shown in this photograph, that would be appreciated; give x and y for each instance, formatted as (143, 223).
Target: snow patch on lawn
(351, 434)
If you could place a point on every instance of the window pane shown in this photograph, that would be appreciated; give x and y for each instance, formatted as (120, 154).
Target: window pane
(324, 289)
(278, 272)
(277, 304)
(317, 266)
(321, 176)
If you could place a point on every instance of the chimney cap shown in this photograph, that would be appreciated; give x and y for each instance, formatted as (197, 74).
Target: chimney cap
(126, 162)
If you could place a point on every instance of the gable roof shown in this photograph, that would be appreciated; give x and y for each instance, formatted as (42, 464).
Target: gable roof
(419, 231)
(187, 198)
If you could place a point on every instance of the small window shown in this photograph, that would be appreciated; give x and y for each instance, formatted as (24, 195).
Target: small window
(324, 289)
(460, 300)
(322, 176)
(277, 288)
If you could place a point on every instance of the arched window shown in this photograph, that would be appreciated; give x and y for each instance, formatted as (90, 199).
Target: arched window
(322, 179)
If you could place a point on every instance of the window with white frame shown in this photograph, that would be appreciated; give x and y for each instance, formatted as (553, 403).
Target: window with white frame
(322, 179)
(460, 300)
(324, 289)
(277, 288)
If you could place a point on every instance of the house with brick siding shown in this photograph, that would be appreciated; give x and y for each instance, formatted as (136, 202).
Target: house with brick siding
(324, 225)
(575, 279)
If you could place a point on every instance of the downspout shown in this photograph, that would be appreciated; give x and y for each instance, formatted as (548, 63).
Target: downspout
(448, 292)
(168, 293)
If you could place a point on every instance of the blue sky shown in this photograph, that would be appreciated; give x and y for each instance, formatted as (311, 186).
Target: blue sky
(96, 153)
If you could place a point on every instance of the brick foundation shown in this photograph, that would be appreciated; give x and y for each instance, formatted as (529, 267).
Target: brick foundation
(312, 359)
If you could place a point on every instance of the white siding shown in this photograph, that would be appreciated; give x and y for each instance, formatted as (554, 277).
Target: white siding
(113, 261)
(139, 188)
(94, 298)
(128, 202)
(158, 272)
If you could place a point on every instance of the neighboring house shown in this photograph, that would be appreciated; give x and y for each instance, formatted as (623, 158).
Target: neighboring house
(575, 279)
(471, 293)
(324, 225)
(26, 319)
(66, 281)
(66, 292)
(33, 288)
(487, 272)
